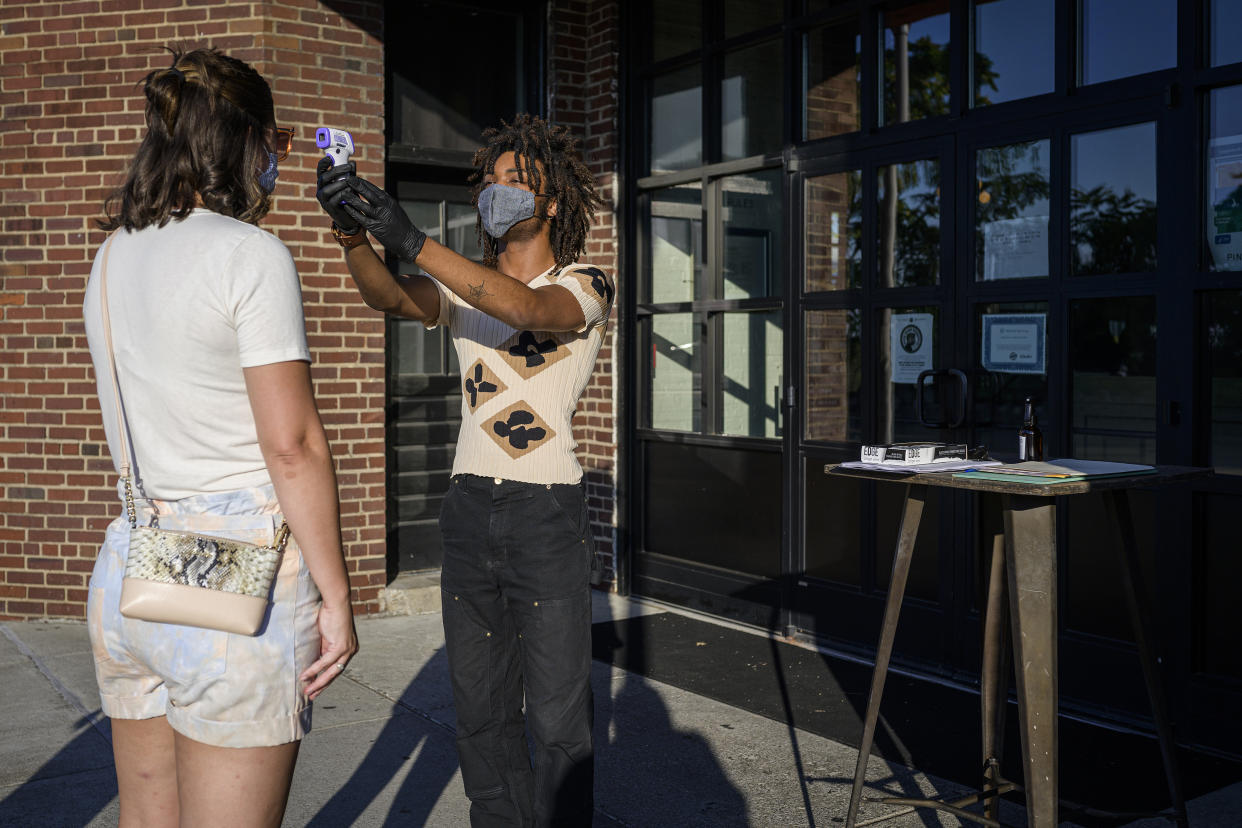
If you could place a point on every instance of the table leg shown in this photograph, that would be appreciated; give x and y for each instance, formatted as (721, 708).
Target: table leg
(1118, 507)
(992, 676)
(1031, 562)
(912, 513)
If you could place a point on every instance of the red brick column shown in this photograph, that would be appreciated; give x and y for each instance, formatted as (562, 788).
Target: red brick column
(583, 49)
(71, 115)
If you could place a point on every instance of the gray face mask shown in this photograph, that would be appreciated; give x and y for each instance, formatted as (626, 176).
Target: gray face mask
(501, 207)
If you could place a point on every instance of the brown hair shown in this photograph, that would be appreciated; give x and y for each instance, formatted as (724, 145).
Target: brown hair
(568, 180)
(207, 119)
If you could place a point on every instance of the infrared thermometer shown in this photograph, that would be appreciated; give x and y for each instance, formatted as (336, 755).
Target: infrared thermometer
(337, 144)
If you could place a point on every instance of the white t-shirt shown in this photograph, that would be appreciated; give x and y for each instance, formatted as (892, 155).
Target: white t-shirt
(192, 303)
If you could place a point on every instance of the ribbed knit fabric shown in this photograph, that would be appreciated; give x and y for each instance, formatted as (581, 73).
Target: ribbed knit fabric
(520, 388)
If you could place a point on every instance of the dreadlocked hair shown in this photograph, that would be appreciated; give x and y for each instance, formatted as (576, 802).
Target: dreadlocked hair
(567, 180)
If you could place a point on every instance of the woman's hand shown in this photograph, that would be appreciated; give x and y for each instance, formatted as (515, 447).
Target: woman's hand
(338, 641)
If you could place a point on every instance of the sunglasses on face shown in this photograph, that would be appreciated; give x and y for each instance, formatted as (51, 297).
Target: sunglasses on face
(282, 142)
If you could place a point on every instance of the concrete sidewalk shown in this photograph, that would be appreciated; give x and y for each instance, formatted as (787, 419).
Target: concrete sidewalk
(382, 750)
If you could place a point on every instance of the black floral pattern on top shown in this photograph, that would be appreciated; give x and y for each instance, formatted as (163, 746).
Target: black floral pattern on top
(532, 349)
(516, 431)
(600, 283)
(477, 385)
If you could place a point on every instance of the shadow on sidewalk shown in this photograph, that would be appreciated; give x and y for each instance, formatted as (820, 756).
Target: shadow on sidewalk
(671, 776)
(424, 780)
(43, 799)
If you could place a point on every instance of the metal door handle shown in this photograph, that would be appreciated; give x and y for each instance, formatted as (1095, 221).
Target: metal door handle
(963, 393)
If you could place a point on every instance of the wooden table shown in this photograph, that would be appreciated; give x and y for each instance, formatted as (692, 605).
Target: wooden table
(1027, 561)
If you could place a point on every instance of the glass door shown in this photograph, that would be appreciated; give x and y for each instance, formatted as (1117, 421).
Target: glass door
(879, 364)
(424, 393)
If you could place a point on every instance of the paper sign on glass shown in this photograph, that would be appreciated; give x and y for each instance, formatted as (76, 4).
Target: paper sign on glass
(910, 346)
(1013, 343)
(1015, 248)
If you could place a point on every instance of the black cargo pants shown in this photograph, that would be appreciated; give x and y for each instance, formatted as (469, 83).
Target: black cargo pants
(517, 626)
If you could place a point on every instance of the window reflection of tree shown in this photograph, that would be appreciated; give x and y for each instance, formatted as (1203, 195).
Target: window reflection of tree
(1111, 232)
(1011, 179)
(910, 246)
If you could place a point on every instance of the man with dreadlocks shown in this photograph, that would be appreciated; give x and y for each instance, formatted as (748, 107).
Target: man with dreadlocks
(527, 325)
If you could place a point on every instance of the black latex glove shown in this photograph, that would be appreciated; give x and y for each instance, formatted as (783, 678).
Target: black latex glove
(384, 219)
(333, 185)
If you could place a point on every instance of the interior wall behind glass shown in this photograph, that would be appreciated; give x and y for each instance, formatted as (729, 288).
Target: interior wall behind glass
(676, 139)
(751, 101)
(676, 237)
(752, 375)
(675, 372)
(753, 230)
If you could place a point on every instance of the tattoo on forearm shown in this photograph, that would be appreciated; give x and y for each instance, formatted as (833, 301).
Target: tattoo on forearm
(477, 292)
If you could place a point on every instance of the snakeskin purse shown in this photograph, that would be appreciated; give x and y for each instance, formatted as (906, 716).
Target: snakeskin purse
(177, 577)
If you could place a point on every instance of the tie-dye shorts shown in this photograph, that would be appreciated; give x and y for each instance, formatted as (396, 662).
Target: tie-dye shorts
(215, 687)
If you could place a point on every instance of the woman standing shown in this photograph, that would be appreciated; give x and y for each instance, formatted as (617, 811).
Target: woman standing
(213, 370)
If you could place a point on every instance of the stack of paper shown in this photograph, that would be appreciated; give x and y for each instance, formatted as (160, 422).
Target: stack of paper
(1055, 471)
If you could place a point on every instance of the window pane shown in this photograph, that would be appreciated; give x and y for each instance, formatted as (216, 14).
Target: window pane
(750, 101)
(675, 371)
(717, 506)
(676, 234)
(1222, 317)
(440, 98)
(1014, 50)
(1112, 356)
(752, 235)
(916, 62)
(1011, 211)
(832, 82)
(1223, 187)
(923, 580)
(416, 350)
(676, 120)
(461, 233)
(833, 505)
(909, 343)
(1113, 201)
(742, 16)
(676, 27)
(834, 231)
(1000, 387)
(752, 374)
(832, 344)
(1127, 37)
(1218, 631)
(1224, 23)
(908, 240)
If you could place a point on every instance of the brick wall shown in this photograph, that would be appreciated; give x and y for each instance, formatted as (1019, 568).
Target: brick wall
(583, 49)
(71, 117)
